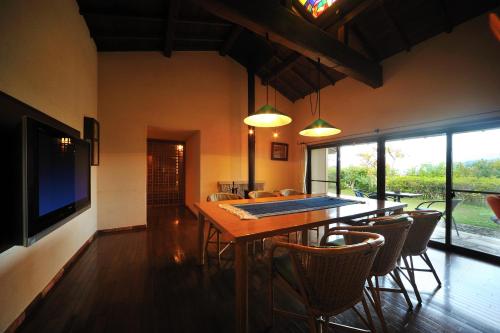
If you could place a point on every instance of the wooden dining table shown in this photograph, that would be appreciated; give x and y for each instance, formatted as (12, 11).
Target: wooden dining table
(243, 231)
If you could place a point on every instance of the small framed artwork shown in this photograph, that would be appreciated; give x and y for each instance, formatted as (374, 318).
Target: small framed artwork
(279, 151)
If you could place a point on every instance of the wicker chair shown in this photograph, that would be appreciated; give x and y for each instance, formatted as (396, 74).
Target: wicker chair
(326, 280)
(212, 229)
(424, 223)
(494, 203)
(395, 229)
(289, 191)
(260, 194)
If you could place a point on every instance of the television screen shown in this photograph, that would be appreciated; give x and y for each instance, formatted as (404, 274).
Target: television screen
(57, 173)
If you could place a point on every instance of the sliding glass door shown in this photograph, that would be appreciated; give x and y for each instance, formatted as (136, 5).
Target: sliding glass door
(358, 169)
(451, 170)
(324, 170)
(416, 175)
(476, 175)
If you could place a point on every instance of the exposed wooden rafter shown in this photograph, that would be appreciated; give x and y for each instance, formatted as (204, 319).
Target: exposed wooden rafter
(233, 36)
(343, 34)
(367, 46)
(397, 27)
(173, 11)
(349, 16)
(324, 72)
(443, 9)
(286, 64)
(267, 17)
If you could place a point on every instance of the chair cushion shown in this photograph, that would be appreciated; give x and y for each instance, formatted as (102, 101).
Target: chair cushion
(282, 265)
(336, 242)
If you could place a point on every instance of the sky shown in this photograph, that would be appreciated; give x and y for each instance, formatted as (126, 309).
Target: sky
(467, 146)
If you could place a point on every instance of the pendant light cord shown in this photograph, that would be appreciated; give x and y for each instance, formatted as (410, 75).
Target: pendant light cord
(317, 104)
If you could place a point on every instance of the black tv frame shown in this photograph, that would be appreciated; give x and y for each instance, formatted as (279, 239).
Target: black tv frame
(12, 112)
(35, 227)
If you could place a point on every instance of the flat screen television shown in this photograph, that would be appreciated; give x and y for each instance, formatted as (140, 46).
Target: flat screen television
(56, 178)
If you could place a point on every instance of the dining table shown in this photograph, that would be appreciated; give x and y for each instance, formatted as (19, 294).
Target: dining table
(242, 231)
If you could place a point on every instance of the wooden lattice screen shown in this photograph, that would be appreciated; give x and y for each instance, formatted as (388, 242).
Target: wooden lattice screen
(165, 186)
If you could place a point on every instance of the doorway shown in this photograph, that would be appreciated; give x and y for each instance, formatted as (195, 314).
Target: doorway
(166, 176)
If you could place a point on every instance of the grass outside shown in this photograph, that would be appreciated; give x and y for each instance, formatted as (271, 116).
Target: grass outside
(464, 213)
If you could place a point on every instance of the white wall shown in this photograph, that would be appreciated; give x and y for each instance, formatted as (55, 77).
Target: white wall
(48, 61)
(192, 91)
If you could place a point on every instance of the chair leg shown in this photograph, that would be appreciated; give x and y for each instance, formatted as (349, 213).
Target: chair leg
(377, 302)
(313, 324)
(271, 296)
(427, 260)
(369, 318)
(411, 274)
(395, 276)
(455, 225)
(218, 247)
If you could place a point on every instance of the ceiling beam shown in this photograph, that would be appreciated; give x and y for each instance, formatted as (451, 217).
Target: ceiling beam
(206, 23)
(233, 36)
(350, 15)
(98, 15)
(284, 27)
(282, 67)
(367, 46)
(397, 27)
(343, 34)
(173, 11)
(443, 9)
(198, 39)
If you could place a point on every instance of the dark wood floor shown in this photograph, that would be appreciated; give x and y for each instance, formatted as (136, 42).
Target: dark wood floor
(148, 281)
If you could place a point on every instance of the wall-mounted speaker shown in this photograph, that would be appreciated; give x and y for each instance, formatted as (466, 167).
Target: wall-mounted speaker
(91, 131)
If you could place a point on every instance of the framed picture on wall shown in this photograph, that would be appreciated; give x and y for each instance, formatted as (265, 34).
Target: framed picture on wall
(279, 151)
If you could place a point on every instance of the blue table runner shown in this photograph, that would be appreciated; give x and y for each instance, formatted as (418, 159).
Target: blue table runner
(272, 208)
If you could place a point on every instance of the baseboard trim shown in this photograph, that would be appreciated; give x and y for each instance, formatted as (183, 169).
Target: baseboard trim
(41, 295)
(122, 229)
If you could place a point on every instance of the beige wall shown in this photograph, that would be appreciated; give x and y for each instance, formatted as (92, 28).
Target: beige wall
(48, 61)
(449, 76)
(191, 91)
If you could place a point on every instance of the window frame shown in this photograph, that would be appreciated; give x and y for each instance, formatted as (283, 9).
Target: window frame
(381, 138)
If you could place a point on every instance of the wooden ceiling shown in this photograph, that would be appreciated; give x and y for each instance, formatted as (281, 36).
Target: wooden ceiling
(368, 30)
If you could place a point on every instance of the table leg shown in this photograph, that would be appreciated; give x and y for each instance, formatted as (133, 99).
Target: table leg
(201, 239)
(241, 286)
(305, 237)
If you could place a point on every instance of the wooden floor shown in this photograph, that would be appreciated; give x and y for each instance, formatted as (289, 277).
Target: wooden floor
(148, 281)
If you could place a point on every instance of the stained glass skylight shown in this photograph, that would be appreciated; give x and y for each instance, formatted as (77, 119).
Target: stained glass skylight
(316, 7)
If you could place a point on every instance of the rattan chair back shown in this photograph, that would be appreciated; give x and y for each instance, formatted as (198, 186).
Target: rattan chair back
(332, 278)
(289, 191)
(221, 196)
(424, 223)
(394, 228)
(260, 194)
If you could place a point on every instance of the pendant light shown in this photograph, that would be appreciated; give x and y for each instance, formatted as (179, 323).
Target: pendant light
(319, 127)
(267, 115)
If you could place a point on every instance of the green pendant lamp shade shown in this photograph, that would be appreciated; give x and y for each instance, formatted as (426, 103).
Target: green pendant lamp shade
(320, 128)
(267, 116)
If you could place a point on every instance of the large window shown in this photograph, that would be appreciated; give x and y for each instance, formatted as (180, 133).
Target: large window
(476, 174)
(358, 169)
(416, 174)
(324, 170)
(452, 171)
